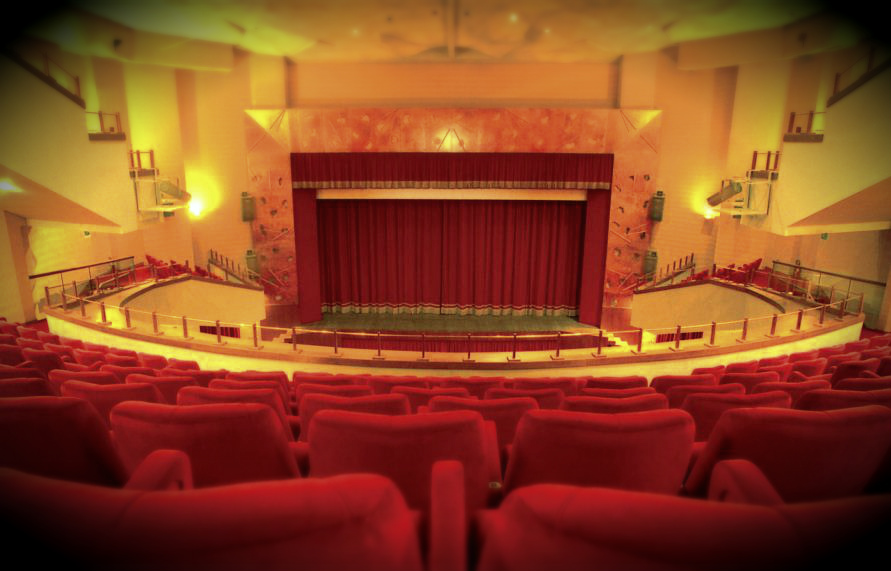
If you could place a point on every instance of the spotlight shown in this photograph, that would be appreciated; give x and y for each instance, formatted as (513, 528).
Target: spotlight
(732, 188)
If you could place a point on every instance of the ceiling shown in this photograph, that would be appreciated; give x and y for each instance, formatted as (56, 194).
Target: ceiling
(452, 30)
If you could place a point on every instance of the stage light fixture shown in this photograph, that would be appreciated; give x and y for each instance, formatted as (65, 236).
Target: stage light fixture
(729, 190)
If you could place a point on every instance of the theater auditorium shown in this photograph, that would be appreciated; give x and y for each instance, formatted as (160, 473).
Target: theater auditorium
(445, 285)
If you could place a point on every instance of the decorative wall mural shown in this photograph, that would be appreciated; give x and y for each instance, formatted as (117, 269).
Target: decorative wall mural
(633, 136)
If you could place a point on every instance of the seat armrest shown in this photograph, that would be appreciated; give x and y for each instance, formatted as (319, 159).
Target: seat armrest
(162, 470)
(300, 450)
(741, 481)
(448, 518)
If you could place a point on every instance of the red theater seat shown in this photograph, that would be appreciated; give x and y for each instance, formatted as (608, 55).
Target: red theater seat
(750, 380)
(10, 372)
(67, 353)
(46, 361)
(226, 443)
(232, 384)
(835, 360)
(121, 360)
(203, 378)
(348, 522)
(676, 395)
(504, 413)
(783, 370)
(546, 398)
(863, 384)
(476, 386)
(64, 438)
(617, 393)
(383, 384)
(717, 370)
(168, 387)
(857, 346)
(803, 369)
(406, 450)
(121, 373)
(805, 455)
(794, 390)
(73, 343)
(388, 405)
(880, 340)
(279, 377)
(664, 382)
(339, 390)
(182, 364)
(58, 377)
(88, 358)
(629, 382)
(772, 361)
(156, 362)
(24, 387)
(28, 343)
(420, 397)
(203, 395)
(804, 356)
(11, 355)
(706, 409)
(325, 378)
(98, 347)
(646, 451)
(744, 367)
(830, 351)
(27, 332)
(608, 405)
(582, 528)
(833, 399)
(105, 397)
(6, 339)
(568, 386)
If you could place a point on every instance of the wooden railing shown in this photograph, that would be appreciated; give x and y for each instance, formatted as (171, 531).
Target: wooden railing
(768, 155)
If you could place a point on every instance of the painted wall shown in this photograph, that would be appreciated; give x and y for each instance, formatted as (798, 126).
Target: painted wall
(15, 302)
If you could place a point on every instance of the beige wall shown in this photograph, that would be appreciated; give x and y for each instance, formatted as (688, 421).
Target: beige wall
(15, 294)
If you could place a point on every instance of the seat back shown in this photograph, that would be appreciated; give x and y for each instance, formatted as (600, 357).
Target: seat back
(203, 378)
(105, 397)
(24, 387)
(239, 385)
(608, 405)
(151, 361)
(772, 361)
(43, 360)
(350, 522)
(627, 382)
(809, 368)
(742, 367)
(505, 413)
(279, 377)
(418, 396)
(664, 382)
(616, 393)
(706, 409)
(806, 455)
(193, 395)
(183, 364)
(339, 390)
(26, 343)
(750, 380)
(851, 369)
(804, 356)
(834, 399)
(404, 449)
(226, 443)
(123, 372)
(87, 357)
(863, 384)
(60, 376)
(168, 387)
(794, 390)
(383, 384)
(677, 394)
(385, 404)
(645, 451)
(476, 386)
(11, 355)
(546, 398)
(121, 360)
(568, 386)
(58, 437)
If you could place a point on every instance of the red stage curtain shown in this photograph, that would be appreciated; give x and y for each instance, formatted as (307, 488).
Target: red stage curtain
(484, 257)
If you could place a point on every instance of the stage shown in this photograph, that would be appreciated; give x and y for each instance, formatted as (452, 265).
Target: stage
(437, 333)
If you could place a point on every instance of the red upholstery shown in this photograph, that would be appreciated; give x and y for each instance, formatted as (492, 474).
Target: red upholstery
(617, 393)
(794, 390)
(405, 449)
(863, 384)
(783, 370)
(857, 346)
(105, 397)
(348, 522)
(880, 340)
(338, 390)
(884, 367)
(58, 377)
(807, 368)
(10, 372)
(385, 404)
(203, 378)
(24, 387)
(629, 382)
(236, 385)
(676, 395)
(73, 343)
(609, 405)
(877, 352)
(830, 351)
(27, 332)
(27, 343)
(85, 357)
(121, 360)
(804, 356)
(664, 382)
(744, 367)
(647, 451)
(98, 347)
(323, 378)
(806, 455)
(750, 380)
(717, 370)
(566, 385)
(226, 443)
(58, 437)
(168, 387)
(194, 395)
(582, 528)
(853, 369)
(6, 339)
(383, 384)
(182, 364)
(123, 352)
(62, 350)
(9, 329)
(278, 376)
(835, 360)
(772, 361)
(476, 386)
(546, 398)
(42, 360)
(706, 409)
(833, 399)
(418, 397)
(11, 355)
(505, 413)
(156, 362)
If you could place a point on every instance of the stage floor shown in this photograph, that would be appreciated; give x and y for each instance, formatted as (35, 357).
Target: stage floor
(430, 322)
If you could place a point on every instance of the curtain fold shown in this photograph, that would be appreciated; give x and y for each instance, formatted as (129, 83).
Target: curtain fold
(448, 256)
